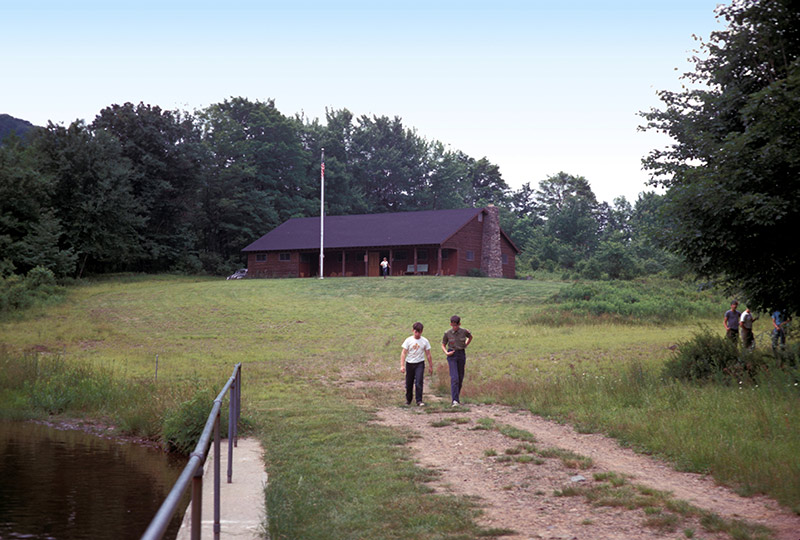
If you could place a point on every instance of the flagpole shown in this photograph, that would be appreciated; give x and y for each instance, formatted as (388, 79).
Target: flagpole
(321, 214)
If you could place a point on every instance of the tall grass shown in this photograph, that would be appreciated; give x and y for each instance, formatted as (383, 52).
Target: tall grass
(36, 385)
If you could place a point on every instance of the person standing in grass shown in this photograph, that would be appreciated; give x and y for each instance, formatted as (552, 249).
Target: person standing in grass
(731, 321)
(412, 362)
(385, 267)
(779, 321)
(746, 325)
(454, 344)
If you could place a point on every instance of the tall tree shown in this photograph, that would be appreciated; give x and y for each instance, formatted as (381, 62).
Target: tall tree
(389, 163)
(92, 195)
(163, 148)
(733, 172)
(570, 209)
(259, 173)
(30, 232)
(447, 185)
(343, 194)
(485, 184)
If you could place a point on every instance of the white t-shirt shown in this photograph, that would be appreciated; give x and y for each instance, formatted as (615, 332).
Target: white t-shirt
(416, 349)
(747, 320)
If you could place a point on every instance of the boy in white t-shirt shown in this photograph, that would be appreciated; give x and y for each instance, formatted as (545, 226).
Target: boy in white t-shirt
(412, 362)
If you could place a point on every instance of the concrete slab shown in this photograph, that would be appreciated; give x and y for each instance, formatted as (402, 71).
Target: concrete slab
(242, 510)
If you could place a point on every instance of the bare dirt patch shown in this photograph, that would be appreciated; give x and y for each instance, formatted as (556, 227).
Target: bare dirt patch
(521, 496)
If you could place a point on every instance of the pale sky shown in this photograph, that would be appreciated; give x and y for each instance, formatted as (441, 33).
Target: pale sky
(536, 87)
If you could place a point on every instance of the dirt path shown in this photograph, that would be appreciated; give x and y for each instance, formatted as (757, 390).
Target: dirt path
(520, 496)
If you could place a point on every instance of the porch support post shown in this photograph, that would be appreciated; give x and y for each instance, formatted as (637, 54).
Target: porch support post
(344, 258)
(439, 257)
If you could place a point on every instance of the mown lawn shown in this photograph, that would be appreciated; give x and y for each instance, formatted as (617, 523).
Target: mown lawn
(301, 341)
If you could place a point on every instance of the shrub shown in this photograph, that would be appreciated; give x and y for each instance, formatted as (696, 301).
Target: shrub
(184, 425)
(40, 278)
(703, 357)
(18, 293)
(712, 357)
(476, 272)
(189, 264)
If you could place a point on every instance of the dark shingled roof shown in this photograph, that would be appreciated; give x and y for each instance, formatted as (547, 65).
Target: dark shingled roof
(431, 227)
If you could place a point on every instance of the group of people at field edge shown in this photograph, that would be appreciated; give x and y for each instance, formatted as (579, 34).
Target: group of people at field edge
(740, 324)
(416, 349)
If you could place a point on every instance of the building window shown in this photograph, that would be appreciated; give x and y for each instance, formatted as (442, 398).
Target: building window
(505, 258)
(400, 255)
(261, 257)
(285, 257)
(422, 255)
(305, 258)
(445, 254)
(470, 255)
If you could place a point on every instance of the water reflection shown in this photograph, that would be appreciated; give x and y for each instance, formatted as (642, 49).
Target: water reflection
(57, 484)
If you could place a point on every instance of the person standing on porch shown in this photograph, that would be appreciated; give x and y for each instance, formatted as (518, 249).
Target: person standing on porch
(384, 267)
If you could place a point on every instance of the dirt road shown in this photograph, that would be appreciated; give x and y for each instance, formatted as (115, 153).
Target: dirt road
(521, 495)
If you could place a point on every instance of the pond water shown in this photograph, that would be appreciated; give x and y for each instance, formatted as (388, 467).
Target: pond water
(67, 484)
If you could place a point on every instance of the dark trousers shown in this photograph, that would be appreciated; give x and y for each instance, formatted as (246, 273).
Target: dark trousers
(778, 338)
(733, 335)
(456, 363)
(415, 378)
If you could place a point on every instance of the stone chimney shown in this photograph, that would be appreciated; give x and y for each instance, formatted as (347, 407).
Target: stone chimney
(491, 257)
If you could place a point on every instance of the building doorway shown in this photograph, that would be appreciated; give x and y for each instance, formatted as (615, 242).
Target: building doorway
(374, 264)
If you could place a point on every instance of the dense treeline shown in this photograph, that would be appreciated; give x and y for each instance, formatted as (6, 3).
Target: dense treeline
(145, 189)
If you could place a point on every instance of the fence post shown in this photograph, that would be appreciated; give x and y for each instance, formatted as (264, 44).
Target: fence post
(231, 423)
(238, 406)
(216, 475)
(197, 501)
(194, 468)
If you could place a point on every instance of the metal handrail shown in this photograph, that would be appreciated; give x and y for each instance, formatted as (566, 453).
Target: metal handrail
(194, 468)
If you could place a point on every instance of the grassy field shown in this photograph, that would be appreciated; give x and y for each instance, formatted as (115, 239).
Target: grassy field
(305, 343)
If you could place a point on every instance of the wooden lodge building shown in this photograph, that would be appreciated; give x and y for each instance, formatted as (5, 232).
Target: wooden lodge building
(433, 242)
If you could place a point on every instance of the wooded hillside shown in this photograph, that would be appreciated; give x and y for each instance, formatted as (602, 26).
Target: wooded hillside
(145, 189)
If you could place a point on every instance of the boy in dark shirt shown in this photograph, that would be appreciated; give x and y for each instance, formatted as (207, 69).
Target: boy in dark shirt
(454, 343)
(731, 322)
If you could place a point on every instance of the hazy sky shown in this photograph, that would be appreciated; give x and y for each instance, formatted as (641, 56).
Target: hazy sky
(536, 87)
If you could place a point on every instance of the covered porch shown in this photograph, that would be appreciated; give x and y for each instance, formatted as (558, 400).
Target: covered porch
(411, 260)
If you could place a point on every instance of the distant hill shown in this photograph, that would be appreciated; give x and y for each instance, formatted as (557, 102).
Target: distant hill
(9, 125)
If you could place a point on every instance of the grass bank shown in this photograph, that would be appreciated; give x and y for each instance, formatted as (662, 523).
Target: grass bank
(307, 345)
